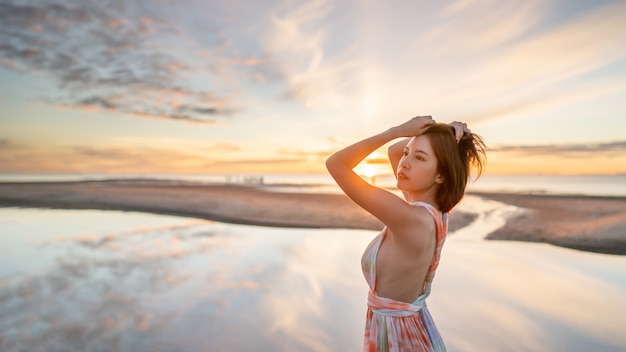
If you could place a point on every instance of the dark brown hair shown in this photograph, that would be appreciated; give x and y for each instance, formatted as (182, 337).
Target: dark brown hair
(454, 162)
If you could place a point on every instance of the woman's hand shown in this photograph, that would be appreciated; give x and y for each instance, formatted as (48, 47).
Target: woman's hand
(415, 126)
(460, 129)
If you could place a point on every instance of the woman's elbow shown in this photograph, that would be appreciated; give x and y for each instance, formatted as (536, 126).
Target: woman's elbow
(331, 164)
(335, 165)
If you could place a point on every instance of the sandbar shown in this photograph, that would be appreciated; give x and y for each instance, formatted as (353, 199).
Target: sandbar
(589, 223)
(595, 224)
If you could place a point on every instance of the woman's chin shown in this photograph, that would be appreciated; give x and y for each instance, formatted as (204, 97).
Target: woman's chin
(401, 184)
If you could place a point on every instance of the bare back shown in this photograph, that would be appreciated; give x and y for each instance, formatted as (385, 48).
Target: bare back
(402, 266)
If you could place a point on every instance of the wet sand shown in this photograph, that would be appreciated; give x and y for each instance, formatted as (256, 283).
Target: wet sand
(237, 204)
(232, 203)
(588, 223)
(596, 224)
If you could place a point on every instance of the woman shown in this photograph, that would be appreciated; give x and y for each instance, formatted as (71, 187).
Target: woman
(432, 169)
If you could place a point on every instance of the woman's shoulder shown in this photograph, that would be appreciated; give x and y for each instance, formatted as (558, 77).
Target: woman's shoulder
(413, 216)
(431, 208)
(423, 204)
(420, 216)
(434, 212)
(418, 230)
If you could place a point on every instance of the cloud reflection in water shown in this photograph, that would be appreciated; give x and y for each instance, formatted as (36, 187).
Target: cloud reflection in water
(188, 285)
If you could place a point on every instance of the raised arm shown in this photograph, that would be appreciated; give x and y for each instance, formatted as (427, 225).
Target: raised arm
(384, 205)
(395, 152)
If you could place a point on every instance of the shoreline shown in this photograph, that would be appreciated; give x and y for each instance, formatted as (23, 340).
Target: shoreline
(589, 223)
(232, 203)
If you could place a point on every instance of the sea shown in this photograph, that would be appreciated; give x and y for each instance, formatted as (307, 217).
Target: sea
(591, 185)
(95, 280)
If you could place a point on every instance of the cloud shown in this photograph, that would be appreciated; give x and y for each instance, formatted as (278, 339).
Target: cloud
(5, 143)
(223, 148)
(474, 60)
(150, 156)
(132, 58)
(252, 162)
(97, 101)
(185, 113)
(10, 145)
(299, 45)
(540, 65)
(592, 158)
(107, 158)
(479, 25)
(600, 148)
(130, 156)
(558, 159)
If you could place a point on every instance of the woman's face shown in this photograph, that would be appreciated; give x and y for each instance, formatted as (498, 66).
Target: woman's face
(417, 169)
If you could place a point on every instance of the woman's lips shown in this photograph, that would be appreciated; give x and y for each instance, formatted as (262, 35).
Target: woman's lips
(401, 175)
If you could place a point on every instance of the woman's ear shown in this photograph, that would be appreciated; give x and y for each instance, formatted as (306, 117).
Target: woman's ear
(439, 179)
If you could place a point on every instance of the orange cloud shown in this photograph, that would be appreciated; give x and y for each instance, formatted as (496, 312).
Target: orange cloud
(212, 158)
(225, 158)
(610, 159)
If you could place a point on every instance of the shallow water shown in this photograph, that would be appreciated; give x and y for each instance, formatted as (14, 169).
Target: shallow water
(102, 280)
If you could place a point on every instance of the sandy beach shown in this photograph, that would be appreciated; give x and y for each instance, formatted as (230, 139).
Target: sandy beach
(596, 224)
(587, 223)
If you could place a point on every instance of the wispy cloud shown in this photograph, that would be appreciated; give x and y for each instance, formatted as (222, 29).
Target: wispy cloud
(299, 45)
(129, 157)
(540, 63)
(596, 158)
(117, 56)
(481, 24)
(253, 162)
(611, 147)
(183, 113)
(4, 143)
(108, 158)
(476, 60)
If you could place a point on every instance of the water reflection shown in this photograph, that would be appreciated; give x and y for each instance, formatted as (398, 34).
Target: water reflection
(135, 282)
(490, 216)
(177, 284)
(530, 297)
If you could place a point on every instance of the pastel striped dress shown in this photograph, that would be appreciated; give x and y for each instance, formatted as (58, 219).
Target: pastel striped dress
(396, 326)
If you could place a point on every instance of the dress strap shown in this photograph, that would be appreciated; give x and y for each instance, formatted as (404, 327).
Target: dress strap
(441, 229)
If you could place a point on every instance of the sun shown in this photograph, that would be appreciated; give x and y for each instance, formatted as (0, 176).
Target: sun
(368, 170)
(372, 167)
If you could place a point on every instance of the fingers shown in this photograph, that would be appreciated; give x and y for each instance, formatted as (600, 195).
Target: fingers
(426, 120)
(466, 129)
(421, 121)
(460, 128)
(426, 117)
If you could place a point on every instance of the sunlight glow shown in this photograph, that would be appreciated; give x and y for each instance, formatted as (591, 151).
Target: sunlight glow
(368, 170)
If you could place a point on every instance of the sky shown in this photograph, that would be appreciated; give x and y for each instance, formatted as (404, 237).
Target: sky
(275, 86)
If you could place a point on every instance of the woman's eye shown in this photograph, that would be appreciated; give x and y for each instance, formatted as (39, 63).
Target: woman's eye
(405, 153)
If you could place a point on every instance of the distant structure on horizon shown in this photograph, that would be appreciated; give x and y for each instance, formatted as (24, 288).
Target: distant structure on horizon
(245, 179)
